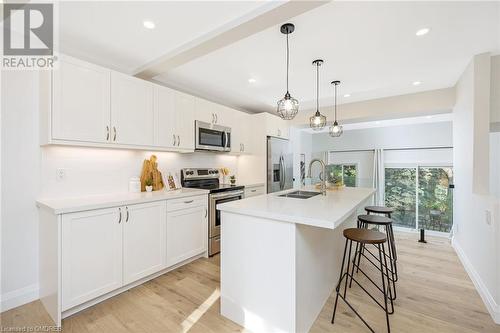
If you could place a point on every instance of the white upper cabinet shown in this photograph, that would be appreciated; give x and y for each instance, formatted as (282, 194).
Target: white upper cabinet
(132, 115)
(184, 106)
(213, 113)
(240, 133)
(165, 117)
(144, 238)
(174, 119)
(81, 101)
(277, 127)
(91, 255)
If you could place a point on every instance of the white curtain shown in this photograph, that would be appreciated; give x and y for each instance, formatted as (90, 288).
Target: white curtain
(379, 177)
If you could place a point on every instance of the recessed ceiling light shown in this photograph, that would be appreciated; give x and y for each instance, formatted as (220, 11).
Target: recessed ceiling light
(428, 117)
(149, 24)
(347, 95)
(252, 80)
(377, 122)
(417, 83)
(422, 32)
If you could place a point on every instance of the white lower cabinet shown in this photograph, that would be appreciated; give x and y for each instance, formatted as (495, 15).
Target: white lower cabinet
(91, 255)
(186, 231)
(103, 250)
(143, 240)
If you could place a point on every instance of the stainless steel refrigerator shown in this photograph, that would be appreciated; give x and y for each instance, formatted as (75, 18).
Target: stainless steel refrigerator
(279, 165)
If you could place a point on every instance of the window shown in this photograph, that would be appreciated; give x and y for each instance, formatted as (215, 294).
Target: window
(400, 189)
(345, 173)
(421, 197)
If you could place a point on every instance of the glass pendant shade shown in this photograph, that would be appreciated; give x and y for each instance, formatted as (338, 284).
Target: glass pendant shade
(317, 121)
(336, 130)
(288, 107)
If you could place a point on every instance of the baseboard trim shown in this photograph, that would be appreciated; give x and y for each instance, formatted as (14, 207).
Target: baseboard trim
(18, 297)
(488, 300)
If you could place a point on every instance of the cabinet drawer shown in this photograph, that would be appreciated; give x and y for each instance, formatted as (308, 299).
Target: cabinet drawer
(254, 191)
(187, 202)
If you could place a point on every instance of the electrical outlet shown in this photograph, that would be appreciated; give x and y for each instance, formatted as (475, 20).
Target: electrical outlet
(60, 174)
(488, 217)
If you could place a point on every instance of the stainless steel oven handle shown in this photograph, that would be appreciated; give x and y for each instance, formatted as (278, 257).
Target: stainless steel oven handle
(226, 194)
(225, 145)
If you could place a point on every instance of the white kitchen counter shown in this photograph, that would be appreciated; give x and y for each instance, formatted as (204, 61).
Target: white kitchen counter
(281, 257)
(319, 211)
(76, 204)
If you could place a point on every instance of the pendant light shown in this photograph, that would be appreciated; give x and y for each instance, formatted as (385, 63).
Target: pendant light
(288, 107)
(317, 121)
(336, 130)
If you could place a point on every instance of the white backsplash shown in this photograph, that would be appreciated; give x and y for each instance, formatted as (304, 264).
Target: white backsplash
(91, 171)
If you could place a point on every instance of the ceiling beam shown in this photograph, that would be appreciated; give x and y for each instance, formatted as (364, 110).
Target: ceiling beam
(268, 15)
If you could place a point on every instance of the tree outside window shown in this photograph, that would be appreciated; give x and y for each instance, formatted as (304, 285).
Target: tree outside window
(342, 173)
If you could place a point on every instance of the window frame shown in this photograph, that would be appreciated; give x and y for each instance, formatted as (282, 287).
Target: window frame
(416, 166)
(355, 164)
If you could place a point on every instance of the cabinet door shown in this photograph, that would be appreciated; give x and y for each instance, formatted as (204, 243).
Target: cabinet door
(186, 233)
(81, 101)
(132, 115)
(184, 113)
(143, 240)
(165, 117)
(91, 255)
(204, 111)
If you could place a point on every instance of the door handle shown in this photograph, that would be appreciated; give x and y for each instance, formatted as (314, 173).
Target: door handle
(107, 133)
(114, 133)
(178, 140)
(243, 146)
(213, 118)
(175, 143)
(120, 218)
(188, 202)
(206, 212)
(126, 220)
(216, 118)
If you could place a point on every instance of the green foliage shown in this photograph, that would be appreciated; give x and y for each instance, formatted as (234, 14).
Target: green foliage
(434, 197)
(148, 182)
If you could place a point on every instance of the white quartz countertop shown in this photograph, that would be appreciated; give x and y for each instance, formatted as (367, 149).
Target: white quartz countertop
(320, 211)
(77, 204)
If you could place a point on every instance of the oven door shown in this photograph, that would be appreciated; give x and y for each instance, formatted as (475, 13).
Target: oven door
(215, 199)
(212, 137)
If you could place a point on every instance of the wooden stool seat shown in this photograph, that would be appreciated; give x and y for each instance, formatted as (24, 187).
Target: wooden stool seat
(379, 209)
(375, 219)
(365, 236)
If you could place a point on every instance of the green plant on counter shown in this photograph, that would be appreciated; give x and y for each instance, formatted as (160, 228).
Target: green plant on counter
(148, 182)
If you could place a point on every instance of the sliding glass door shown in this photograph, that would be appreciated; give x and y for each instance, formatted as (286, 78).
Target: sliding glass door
(400, 194)
(421, 197)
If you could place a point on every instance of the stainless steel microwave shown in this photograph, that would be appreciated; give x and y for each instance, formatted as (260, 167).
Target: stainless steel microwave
(212, 137)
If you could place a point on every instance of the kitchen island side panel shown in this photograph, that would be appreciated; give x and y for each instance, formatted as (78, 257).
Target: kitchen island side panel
(318, 263)
(258, 273)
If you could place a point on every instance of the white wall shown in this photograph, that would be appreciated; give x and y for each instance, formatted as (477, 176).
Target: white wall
(476, 242)
(29, 172)
(406, 136)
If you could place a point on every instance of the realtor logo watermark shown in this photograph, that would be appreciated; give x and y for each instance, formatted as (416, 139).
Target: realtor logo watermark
(28, 36)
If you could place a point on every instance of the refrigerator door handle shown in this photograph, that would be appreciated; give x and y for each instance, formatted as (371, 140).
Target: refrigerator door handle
(282, 173)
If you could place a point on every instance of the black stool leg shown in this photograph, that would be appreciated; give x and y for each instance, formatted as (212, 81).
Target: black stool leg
(354, 263)
(347, 271)
(380, 254)
(337, 289)
(394, 253)
(391, 261)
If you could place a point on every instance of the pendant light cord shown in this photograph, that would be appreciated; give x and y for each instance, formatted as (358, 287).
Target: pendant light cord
(287, 61)
(317, 86)
(335, 103)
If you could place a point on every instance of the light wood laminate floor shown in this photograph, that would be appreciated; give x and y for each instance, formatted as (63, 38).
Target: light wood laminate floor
(434, 295)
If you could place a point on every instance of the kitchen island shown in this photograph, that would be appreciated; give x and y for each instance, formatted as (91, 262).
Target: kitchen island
(281, 256)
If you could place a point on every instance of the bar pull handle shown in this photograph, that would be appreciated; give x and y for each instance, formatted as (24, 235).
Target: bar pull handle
(120, 218)
(126, 220)
(107, 133)
(188, 202)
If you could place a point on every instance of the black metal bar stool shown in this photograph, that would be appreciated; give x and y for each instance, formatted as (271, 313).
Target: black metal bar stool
(378, 220)
(365, 237)
(387, 211)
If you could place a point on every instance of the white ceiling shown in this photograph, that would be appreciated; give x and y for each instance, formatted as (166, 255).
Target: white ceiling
(370, 46)
(111, 33)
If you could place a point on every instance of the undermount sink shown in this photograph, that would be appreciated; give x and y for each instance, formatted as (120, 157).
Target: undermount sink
(300, 194)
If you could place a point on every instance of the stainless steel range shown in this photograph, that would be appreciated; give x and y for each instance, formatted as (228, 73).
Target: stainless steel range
(208, 179)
